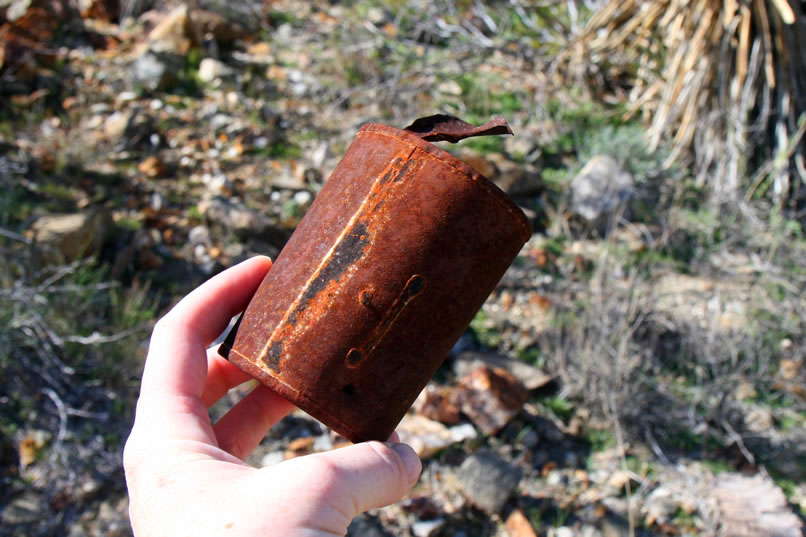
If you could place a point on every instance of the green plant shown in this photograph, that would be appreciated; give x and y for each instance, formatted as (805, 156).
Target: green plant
(557, 406)
(600, 439)
(485, 330)
(718, 466)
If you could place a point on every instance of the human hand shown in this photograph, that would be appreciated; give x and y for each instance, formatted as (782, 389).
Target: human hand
(186, 476)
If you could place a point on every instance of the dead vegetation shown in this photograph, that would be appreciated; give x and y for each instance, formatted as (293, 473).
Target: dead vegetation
(720, 80)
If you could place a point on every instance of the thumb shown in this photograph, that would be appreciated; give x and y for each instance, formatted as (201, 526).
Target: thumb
(357, 478)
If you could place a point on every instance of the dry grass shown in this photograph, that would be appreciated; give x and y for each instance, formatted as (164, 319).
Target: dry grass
(721, 80)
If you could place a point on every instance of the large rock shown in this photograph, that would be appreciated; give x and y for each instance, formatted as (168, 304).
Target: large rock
(181, 29)
(491, 398)
(530, 376)
(174, 33)
(487, 480)
(754, 506)
(600, 189)
(72, 236)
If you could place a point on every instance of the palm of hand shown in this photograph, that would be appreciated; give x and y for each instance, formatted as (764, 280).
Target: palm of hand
(186, 476)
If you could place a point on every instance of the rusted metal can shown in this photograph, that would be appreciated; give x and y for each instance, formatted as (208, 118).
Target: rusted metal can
(387, 268)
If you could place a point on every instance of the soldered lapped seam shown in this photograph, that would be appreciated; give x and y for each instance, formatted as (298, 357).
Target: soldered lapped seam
(365, 204)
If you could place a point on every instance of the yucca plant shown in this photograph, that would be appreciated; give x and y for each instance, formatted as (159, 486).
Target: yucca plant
(723, 80)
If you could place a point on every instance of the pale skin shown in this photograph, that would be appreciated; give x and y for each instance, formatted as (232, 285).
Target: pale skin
(186, 476)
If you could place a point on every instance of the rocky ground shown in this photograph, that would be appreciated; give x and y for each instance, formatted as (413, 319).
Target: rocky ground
(638, 370)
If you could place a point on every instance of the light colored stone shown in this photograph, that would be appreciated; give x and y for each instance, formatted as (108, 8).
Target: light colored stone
(233, 214)
(72, 236)
(173, 32)
(660, 506)
(600, 188)
(518, 525)
(199, 235)
(21, 510)
(450, 87)
(271, 458)
(427, 528)
(211, 70)
(155, 70)
(754, 506)
(115, 125)
(427, 437)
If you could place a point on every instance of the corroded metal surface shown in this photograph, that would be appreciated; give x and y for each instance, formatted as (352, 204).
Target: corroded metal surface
(442, 128)
(389, 265)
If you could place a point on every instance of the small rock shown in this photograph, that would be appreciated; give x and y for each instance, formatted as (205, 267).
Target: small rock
(600, 188)
(364, 526)
(322, 443)
(422, 507)
(112, 519)
(217, 183)
(659, 507)
(30, 446)
(173, 33)
(450, 87)
(211, 70)
(491, 397)
(22, 510)
(427, 528)
(519, 526)
(155, 71)
(260, 49)
(115, 125)
(619, 479)
(562, 531)
(302, 197)
(440, 403)
(15, 9)
(126, 97)
(199, 235)
(487, 480)
(152, 167)
(129, 129)
(556, 478)
(158, 202)
(460, 433)
(530, 376)
(272, 457)
(232, 214)
(224, 29)
(299, 447)
(589, 531)
(424, 435)
(613, 525)
(530, 439)
(73, 235)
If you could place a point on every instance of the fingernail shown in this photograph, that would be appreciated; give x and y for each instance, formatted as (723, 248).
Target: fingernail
(410, 460)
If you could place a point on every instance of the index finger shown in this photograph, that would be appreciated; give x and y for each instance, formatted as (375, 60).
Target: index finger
(177, 359)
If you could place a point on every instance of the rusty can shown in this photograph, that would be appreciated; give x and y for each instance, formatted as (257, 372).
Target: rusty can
(389, 265)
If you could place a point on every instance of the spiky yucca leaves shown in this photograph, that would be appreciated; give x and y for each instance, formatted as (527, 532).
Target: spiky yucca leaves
(724, 81)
